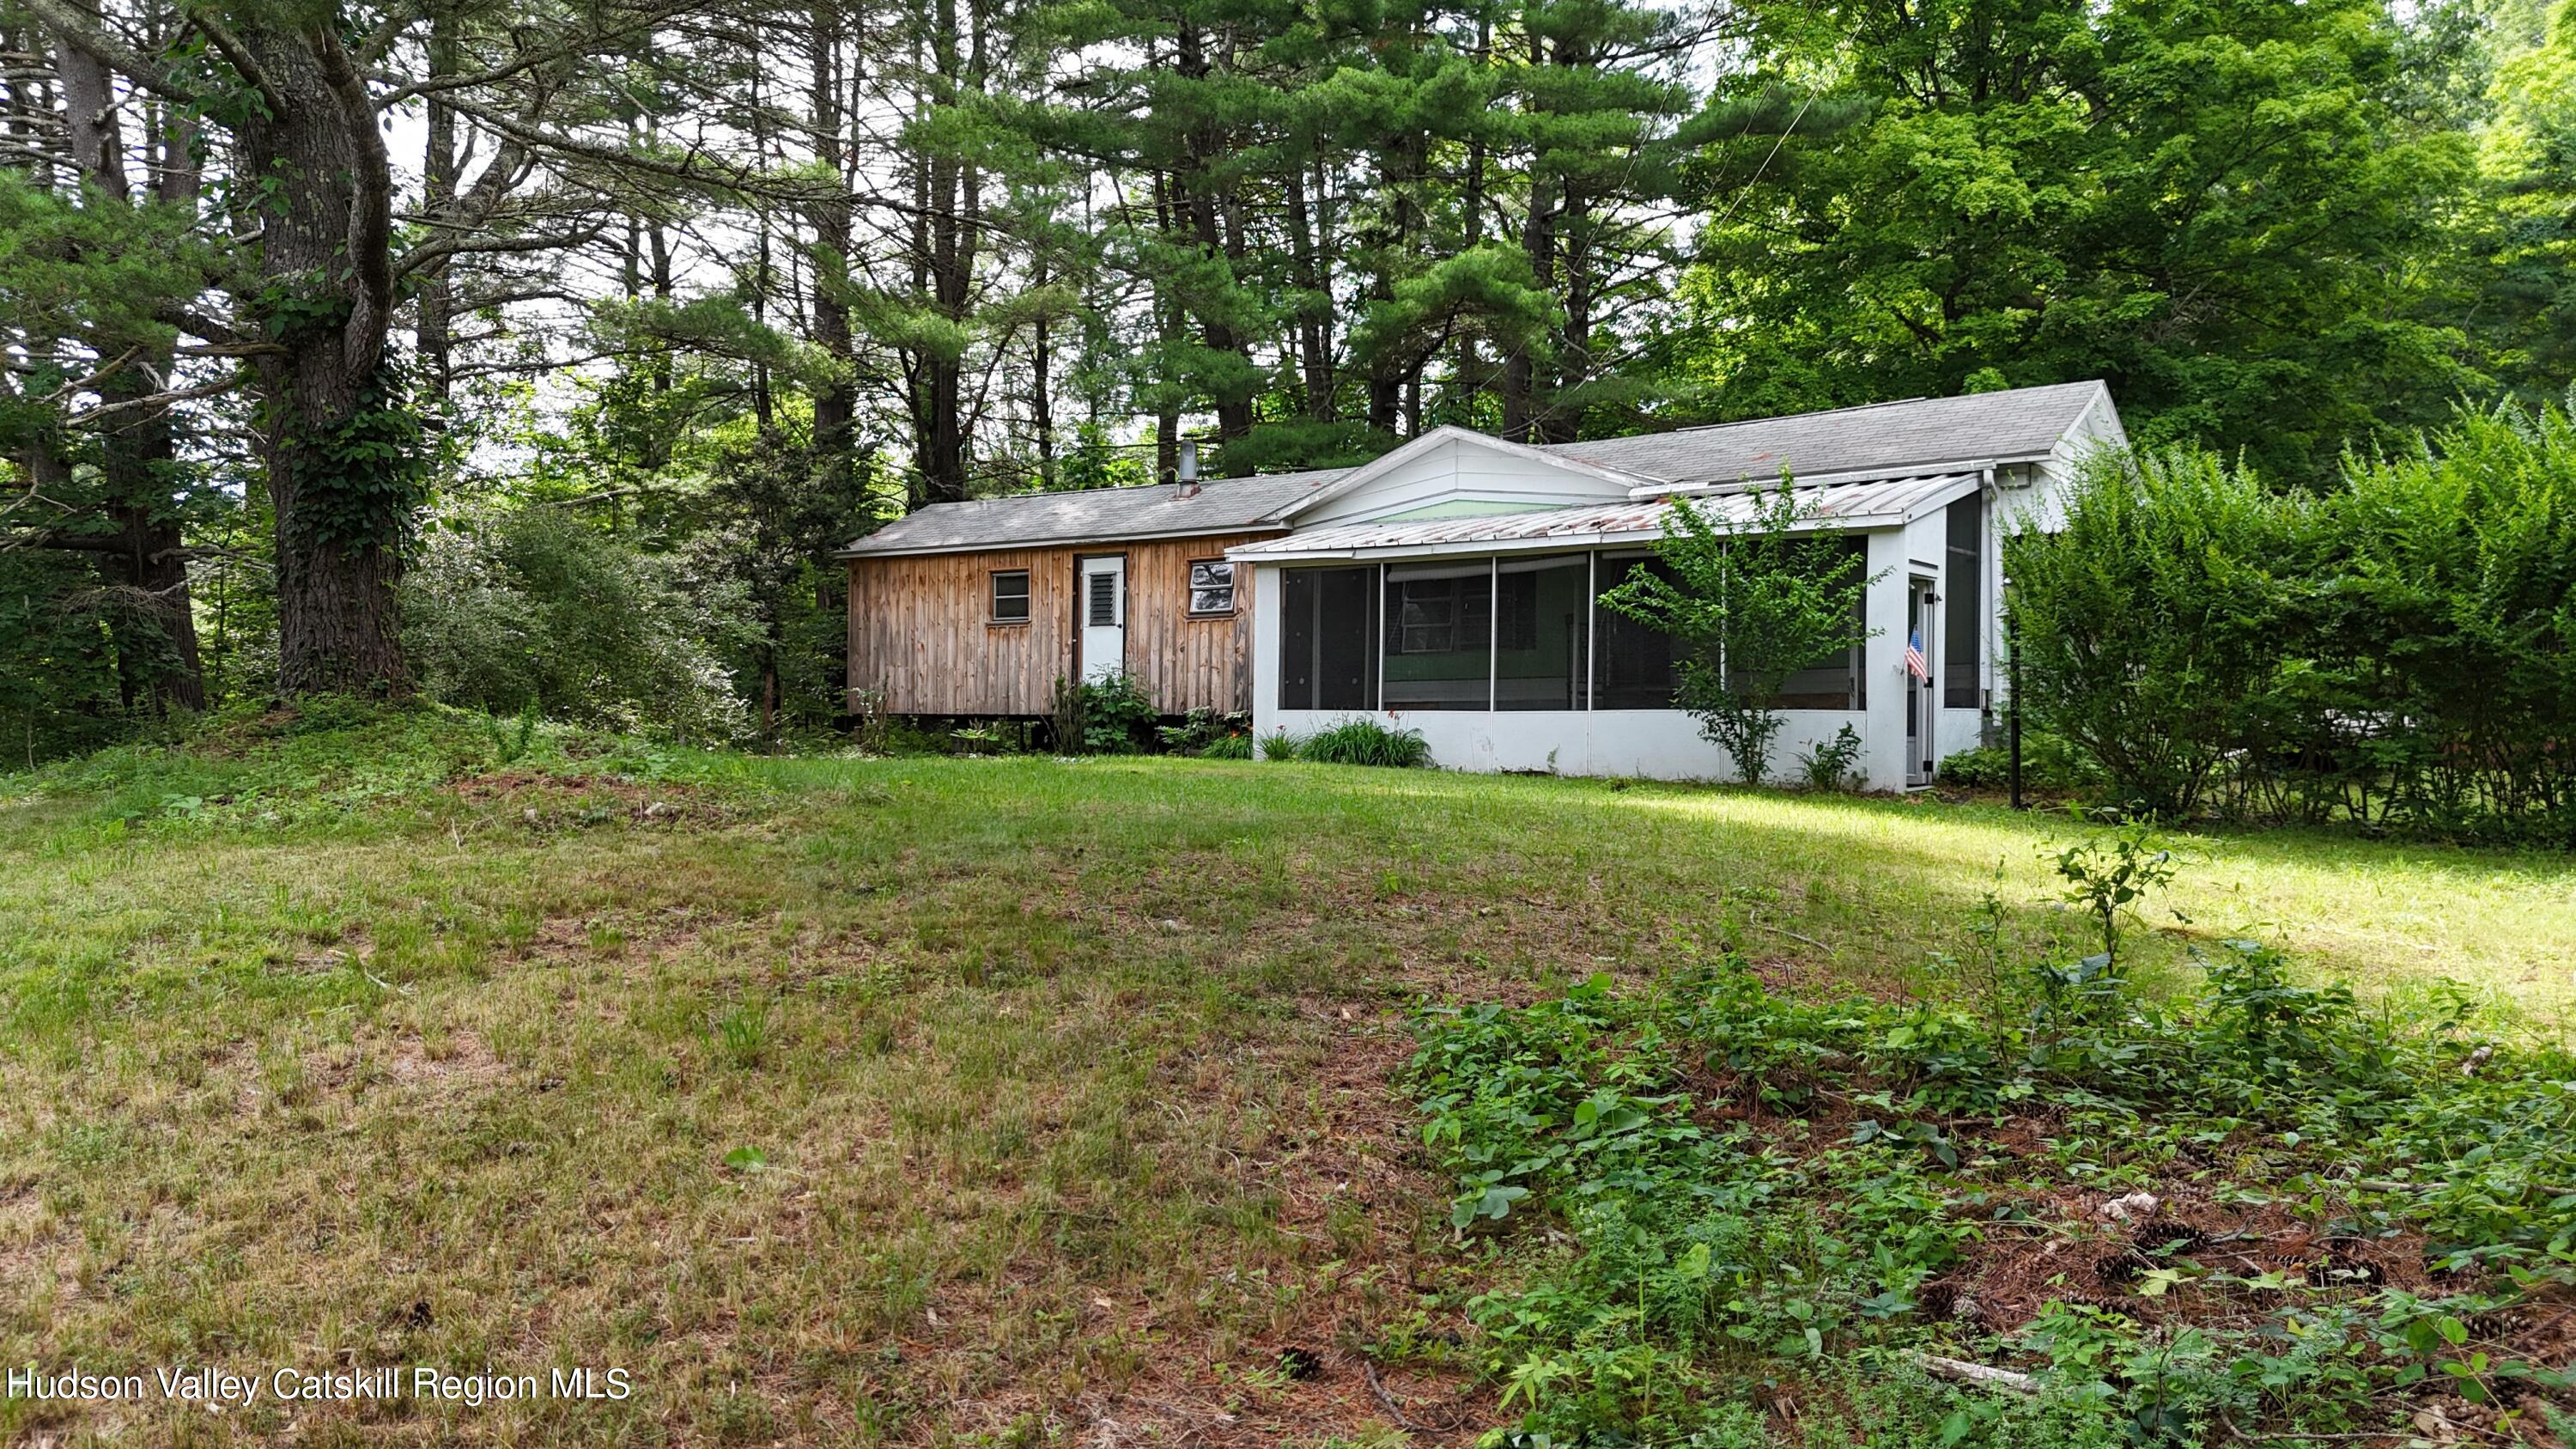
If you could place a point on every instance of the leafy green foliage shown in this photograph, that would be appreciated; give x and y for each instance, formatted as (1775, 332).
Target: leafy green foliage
(1116, 714)
(2395, 652)
(1209, 733)
(532, 610)
(1360, 740)
(1751, 603)
(1714, 1238)
(2223, 209)
(1832, 764)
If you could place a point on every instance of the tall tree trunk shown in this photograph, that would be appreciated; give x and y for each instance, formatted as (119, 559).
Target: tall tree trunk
(1233, 400)
(835, 397)
(156, 629)
(336, 440)
(437, 295)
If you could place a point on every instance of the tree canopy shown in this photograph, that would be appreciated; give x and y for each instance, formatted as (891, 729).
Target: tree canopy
(292, 297)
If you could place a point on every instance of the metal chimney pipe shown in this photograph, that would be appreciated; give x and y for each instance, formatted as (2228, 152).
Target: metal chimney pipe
(1189, 460)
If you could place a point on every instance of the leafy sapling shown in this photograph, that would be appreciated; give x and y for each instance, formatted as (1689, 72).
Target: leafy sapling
(1750, 603)
(2109, 875)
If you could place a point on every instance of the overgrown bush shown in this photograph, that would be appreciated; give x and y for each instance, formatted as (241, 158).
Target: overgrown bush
(1363, 741)
(2400, 651)
(532, 608)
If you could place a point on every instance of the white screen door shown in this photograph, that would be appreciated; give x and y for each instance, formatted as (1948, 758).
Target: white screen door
(1919, 698)
(1104, 617)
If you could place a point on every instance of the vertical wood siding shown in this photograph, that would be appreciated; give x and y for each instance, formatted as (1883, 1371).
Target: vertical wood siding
(921, 630)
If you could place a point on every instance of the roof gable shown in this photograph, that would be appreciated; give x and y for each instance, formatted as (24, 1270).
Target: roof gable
(1460, 472)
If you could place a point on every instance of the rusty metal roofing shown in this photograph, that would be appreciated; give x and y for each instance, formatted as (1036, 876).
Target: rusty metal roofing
(1847, 505)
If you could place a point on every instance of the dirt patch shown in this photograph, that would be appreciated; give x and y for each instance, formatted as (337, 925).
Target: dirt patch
(543, 798)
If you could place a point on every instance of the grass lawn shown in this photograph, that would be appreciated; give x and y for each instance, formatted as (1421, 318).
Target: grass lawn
(919, 1101)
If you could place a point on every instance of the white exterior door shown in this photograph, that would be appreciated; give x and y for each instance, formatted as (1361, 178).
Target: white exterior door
(1103, 603)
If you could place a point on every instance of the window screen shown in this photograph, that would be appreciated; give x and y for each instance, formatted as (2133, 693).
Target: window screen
(1211, 587)
(1102, 592)
(1328, 638)
(1634, 668)
(1834, 682)
(1540, 632)
(1011, 596)
(1439, 635)
(1963, 604)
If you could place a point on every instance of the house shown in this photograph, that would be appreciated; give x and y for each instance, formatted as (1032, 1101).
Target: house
(1450, 586)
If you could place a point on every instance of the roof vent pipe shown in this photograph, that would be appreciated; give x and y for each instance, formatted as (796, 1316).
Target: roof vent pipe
(1189, 467)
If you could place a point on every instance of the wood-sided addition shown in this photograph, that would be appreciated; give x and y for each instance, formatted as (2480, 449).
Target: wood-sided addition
(921, 630)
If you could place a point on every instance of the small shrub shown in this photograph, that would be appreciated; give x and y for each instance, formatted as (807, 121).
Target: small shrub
(2049, 766)
(1203, 729)
(1228, 747)
(1104, 716)
(1359, 741)
(1829, 764)
(1279, 745)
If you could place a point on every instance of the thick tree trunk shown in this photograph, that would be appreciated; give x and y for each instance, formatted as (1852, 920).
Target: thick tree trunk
(156, 629)
(342, 497)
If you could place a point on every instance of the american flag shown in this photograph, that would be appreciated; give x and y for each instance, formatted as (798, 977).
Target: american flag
(1914, 661)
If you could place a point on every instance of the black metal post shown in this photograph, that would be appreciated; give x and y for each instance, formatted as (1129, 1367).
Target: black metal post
(2012, 662)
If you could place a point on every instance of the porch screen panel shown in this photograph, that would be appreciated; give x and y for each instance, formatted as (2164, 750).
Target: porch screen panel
(1834, 682)
(1540, 626)
(1634, 664)
(1327, 639)
(1440, 635)
(1963, 604)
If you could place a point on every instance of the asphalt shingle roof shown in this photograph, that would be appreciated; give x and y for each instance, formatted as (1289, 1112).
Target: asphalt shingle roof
(1884, 439)
(1021, 520)
(1920, 437)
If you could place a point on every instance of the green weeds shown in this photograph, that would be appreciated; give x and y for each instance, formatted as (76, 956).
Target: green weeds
(1720, 1196)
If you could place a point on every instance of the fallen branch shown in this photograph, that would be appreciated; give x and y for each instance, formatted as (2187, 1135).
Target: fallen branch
(1977, 1373)
(1383, 1397)
(1785, 931)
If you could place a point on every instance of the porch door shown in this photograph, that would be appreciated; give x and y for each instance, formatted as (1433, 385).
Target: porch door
(1921, 623)
(1103, 601)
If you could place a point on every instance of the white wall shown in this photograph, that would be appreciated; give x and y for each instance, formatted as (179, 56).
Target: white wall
(1655, 744)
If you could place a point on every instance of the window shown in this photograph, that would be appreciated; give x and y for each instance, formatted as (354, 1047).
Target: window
(1963, 604)
(1211, 586)
(1440, 636)
(1835, 681)
(1541, 632)
(1328, 638)
(1011, 596)
(1635, 666)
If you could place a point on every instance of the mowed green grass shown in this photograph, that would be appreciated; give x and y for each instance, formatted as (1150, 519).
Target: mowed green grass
(973, 1101)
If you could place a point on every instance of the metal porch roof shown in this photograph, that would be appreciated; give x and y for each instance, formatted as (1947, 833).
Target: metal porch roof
(1839, 506)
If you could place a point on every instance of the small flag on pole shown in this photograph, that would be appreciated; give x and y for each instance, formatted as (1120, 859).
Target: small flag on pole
(1914, 661)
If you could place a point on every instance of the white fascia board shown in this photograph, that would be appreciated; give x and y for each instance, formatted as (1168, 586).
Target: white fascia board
(1834, 480)
(1553, 543)
(1368, 473)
